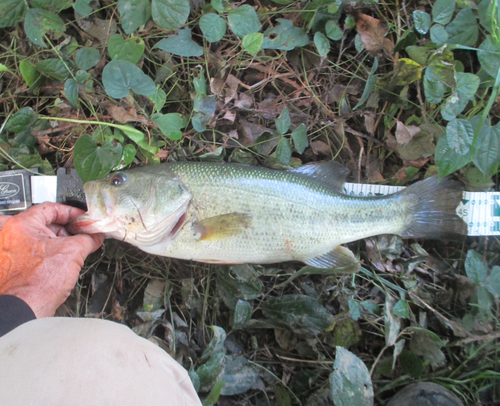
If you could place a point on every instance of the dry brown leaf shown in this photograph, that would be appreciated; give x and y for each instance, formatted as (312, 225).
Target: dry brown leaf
(163, 154)
(244, 101)
(405, 133)
(249, 132)
(372, 33)
(233, 82)
(122, 114)
(216, 86)
(369, 123)
(319, 147)
(229, 116)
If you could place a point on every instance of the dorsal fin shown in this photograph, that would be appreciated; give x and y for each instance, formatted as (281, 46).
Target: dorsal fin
(329, 173)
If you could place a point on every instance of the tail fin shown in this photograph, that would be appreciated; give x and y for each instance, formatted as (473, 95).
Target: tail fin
(433, 214)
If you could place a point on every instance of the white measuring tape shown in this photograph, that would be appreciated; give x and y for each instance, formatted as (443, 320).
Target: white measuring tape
(479, 210)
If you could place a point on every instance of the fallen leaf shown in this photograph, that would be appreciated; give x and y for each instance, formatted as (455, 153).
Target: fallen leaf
(249, 132)
(233, 82)
(404, 134)
(163, 154)
(216, 86)
(319, 147)
(244, 101)
(122, 114)
(372, 33)
(229, 116)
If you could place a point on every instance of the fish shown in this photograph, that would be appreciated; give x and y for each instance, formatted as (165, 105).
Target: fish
(222, 213)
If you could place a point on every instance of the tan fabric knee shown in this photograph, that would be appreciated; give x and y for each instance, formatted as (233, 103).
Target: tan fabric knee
(87, 362)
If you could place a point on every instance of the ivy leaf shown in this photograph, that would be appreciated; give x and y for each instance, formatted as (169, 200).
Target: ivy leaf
(284, 151)
(302, 314)
(22, 120)
(239, 376)
(87, 58)
(213, 27)
(489, 56)
(129, 153)
(463, 29)
(71, 92)
(170, 124)
(180, 44)
(11, 12)
(442, 11)
(322, 44)
(350, 380)
(453, 148)
(243, 21)
(439, 35)
(38, 22)
(54, 68)
(467, 85)
(487, 147)
(283, 121)
(170, 14)
(93, 162)
(333, 31)
(285, 36)
(433, 90)
(252, 43)
(29, 72)
(422, 21)
(299, 136)
(130, 49)
(134, 14)
(119, 77)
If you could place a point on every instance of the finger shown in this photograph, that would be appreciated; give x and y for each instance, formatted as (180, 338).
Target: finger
(86, 243)
(49, 213)
(3, 219)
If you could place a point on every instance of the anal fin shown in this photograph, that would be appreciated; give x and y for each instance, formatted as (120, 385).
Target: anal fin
(339, 257)
(223, 226)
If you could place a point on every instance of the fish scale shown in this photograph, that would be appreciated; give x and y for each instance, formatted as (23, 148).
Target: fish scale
(228, 213)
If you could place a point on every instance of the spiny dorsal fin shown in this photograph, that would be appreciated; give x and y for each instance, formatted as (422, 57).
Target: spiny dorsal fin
(339, 257)
(329, 173)
(223, 226)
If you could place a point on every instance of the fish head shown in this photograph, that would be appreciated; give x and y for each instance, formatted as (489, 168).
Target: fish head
(138, 206)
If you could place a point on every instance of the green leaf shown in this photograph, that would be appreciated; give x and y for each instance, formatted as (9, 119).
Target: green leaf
(422, 21)
(24, 119)
(71, 92)
(485, 10)
(285, 36)
(489, 56)
(354, 309)
(129, 153)
(158, 98)
(180, 44)
(299, 136)
(284, 151)
(170, 124)
(427, 344)
(82, 7)
(134, 14)
(170, 14)
(411, 364)
(302, 314)
(81, 76)
(401, 309)
(54, 68)
(484, 303)
(119, 77)
(11, 12)
(130, 49)
(213, 27)
(487, 147)
(4, 68)
(493, 283)
(475, 269)
(433, 90)
(460, 135)
(209, 373)
(252, 43)
(333, 31)
(29, 72)
(239, 376)
(243, 21)
(242, 314)
(439, 35)
(350, 380)
(38, 22)
(216, 344)
(87, 58)
(392, 323)
(214, 394)
(283, 121)
(370, 84)
(238, 282)
(453, 148)
(322, 44)
(52, 5)
(93, 162)
(442, 11)
(463, 29)
(467, 85)
(138, 137)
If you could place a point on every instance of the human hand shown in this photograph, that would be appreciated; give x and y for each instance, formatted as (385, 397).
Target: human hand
(39, 261)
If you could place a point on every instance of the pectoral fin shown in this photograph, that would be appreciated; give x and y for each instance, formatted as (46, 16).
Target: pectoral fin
(223, 226)
(339, 257)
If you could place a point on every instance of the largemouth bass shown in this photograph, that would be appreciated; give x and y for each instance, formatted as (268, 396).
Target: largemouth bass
(233, 214)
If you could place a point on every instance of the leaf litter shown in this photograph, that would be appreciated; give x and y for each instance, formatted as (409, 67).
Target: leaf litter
(392, 93)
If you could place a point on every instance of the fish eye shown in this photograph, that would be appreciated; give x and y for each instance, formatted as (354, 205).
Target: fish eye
(118, 179)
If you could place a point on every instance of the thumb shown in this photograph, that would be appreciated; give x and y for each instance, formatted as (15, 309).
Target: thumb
(86, 243)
